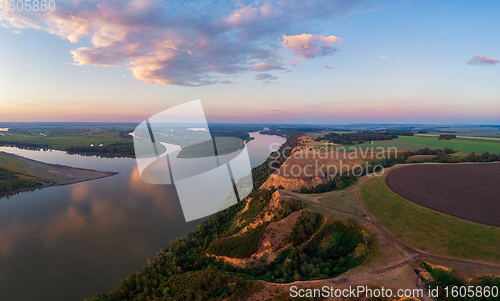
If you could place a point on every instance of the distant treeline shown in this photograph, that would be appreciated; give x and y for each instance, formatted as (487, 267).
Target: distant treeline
(440, 157)
(126, 149)
(447, 137)
(119, 148)
(25, 145)
(236, 134)
(10, 182)
(288, 132)
(360, 137)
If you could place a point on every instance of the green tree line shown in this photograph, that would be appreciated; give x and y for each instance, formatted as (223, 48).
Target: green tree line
(11, 182)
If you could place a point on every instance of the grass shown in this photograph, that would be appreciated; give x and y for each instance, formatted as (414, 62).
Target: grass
(385, 144)
(61, 139)
(420, 142)
(428, 230)
(465, 134)
(11, 164)
(464, 144)
(459, 154)
(420, 158)
(343, 200)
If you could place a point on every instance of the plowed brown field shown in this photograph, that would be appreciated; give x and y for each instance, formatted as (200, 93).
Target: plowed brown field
(468, 191)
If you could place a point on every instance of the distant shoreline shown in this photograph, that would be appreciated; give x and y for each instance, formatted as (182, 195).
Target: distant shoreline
(60, 175)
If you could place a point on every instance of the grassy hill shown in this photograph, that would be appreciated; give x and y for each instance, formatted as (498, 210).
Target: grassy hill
(266, 237)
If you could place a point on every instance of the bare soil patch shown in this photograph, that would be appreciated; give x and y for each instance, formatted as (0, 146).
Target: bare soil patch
(468, 191)
(309, 166)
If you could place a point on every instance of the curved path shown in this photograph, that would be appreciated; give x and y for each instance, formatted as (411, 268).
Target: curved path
(418, 254)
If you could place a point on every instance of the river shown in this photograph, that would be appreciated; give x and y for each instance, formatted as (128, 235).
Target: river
(66, 243)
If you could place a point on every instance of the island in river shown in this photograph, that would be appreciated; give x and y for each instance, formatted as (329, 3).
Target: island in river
(19, 174)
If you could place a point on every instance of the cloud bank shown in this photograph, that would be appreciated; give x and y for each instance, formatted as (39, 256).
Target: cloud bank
(188, 43)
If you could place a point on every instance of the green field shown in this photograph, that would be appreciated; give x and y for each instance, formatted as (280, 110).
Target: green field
(344, 200)
(418, 142)
(497, 136)
(385, 144)
(60, 138)
(428, 230)
(459, 144)
(11, 164)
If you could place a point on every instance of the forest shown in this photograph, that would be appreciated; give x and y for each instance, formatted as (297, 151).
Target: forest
(362, 136)
(125, 149)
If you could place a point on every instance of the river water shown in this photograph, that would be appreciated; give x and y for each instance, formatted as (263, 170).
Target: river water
(66, 243)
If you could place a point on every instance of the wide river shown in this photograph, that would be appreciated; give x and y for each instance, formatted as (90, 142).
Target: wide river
(66, 243)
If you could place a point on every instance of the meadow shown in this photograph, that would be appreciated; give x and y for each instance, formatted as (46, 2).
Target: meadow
(458, 144)
(419, 142)
(428, 230)
(64, 136)
(398, 143)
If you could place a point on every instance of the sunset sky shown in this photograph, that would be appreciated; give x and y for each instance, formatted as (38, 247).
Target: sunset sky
(329, 62)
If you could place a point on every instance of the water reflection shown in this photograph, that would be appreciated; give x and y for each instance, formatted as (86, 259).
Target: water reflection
(69, 242)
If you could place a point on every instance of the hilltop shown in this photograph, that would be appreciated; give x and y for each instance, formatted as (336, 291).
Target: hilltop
(268, 237)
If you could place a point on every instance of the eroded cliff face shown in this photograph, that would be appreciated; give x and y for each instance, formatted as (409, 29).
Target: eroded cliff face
(290, 183)
(272, 243)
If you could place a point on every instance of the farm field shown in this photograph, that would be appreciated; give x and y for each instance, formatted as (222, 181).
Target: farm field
(308, 164)
(428, 230)
(467, 191)
(465, 144)
(385, 144)
(307, 141)
(468, 135)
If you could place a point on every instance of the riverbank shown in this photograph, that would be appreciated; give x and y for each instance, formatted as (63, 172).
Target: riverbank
(48, 174)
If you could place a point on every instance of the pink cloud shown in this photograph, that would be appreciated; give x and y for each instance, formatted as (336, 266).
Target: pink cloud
(481, 60)
(309, 46)
(190, 43)
(267, 66)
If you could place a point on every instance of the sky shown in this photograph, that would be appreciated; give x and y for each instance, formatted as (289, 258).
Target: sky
(314, 62)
